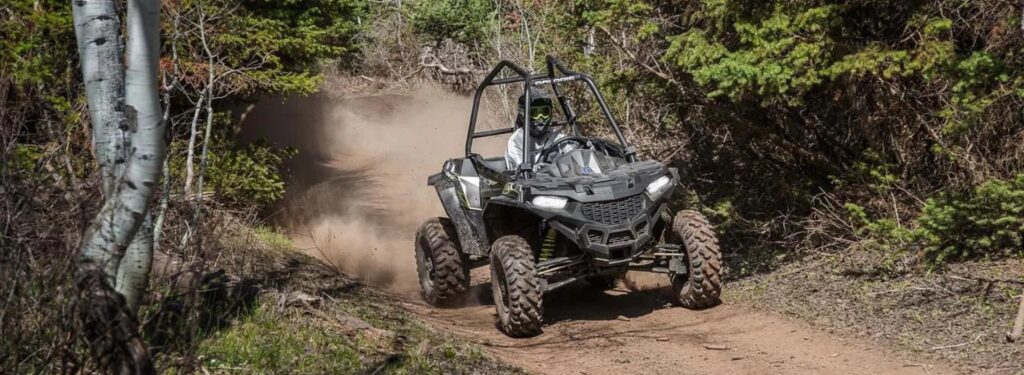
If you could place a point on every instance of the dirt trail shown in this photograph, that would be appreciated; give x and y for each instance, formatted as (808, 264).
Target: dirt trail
(359, 192)
(638, 332)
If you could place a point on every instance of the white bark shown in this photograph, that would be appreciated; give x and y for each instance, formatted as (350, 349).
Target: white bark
(189, 159)
(165, 173)
(133, 271)
(142, 57)
(141, 93)
(209, 116)
(205, 154)
(126, 204)
(98, 32)
(165, 197)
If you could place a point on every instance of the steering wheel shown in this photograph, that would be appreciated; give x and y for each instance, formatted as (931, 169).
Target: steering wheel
(609, 148)
(556, 145)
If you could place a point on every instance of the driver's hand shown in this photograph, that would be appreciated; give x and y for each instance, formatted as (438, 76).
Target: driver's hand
(538, 166)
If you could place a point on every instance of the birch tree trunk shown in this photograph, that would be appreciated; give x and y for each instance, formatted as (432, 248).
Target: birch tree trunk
(98, 33)
(128, 140)
(141, 93)
(133, 272)
(127, 205)
(128, 133)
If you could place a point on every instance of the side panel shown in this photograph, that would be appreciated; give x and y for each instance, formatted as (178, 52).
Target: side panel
(471, 243)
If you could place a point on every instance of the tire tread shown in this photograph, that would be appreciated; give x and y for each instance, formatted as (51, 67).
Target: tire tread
(703, 285)
(451, 281)
(525, 309)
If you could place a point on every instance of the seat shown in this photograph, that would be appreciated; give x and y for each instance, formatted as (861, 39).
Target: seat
(497, 163)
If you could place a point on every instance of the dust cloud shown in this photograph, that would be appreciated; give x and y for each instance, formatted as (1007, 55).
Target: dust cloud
(358, 187)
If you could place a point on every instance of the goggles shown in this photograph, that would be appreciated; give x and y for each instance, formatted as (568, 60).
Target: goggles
(540, 113)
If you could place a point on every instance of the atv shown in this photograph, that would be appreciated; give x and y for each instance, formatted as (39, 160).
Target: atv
(591, 213)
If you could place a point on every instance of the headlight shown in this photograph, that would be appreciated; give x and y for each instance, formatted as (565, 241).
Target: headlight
(658, 186)
(549, 202)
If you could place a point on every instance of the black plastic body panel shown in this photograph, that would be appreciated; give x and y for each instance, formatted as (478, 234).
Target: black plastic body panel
(609, 244)
(469, 239)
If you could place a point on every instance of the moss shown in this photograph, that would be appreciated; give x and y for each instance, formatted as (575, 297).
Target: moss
(265, 342)
(271, 237)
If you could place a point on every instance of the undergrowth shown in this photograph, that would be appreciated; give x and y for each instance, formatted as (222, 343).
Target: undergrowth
(986, 221)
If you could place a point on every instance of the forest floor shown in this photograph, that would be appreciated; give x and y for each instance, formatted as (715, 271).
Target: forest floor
(285, 312)
(960, 315)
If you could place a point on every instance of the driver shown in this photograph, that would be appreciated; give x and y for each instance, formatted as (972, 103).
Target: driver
(541, 133)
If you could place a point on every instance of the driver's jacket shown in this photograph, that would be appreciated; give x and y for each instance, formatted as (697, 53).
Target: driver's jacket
(514, 151)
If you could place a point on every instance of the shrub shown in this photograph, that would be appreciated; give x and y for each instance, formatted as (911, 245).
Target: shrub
(983, 222)
(464, 21)
(986, 221)
(248, 176)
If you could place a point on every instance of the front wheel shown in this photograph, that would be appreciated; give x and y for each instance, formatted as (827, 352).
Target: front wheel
(441, 264)
(516, 289)
(701, 286)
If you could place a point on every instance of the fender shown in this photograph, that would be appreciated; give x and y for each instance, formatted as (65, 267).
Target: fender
(468, 239)
(503, 215)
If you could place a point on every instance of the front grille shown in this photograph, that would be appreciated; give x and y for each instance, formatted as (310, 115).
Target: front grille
(614, 212)
(641, 229)
(619, 238)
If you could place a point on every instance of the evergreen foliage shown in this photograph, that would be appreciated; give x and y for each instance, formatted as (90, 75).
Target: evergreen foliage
(909, 112)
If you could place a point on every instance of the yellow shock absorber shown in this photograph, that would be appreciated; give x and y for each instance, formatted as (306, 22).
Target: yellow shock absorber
(547, 248)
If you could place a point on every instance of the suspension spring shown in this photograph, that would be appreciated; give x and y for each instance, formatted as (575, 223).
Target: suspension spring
(547, 248)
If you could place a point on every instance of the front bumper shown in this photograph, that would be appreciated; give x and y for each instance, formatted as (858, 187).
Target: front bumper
(613, 244)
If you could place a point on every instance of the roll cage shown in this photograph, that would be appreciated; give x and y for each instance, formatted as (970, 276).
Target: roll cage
(525, 169)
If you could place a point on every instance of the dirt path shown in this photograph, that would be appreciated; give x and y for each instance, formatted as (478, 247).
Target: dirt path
(623, 332)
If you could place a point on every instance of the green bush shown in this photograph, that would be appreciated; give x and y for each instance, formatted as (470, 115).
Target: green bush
(241, 177)
(464, 21)
(987, 221)
(248, 176)
(784, 54)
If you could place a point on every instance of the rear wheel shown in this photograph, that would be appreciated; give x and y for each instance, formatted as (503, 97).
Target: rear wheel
(441, 264)
(701, 286)
(516, 289)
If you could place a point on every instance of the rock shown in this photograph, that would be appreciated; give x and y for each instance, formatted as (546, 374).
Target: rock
(423, 348)
(622, 318)
(354, 323)
(296, 299)
(662, 339)
(715, 347)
